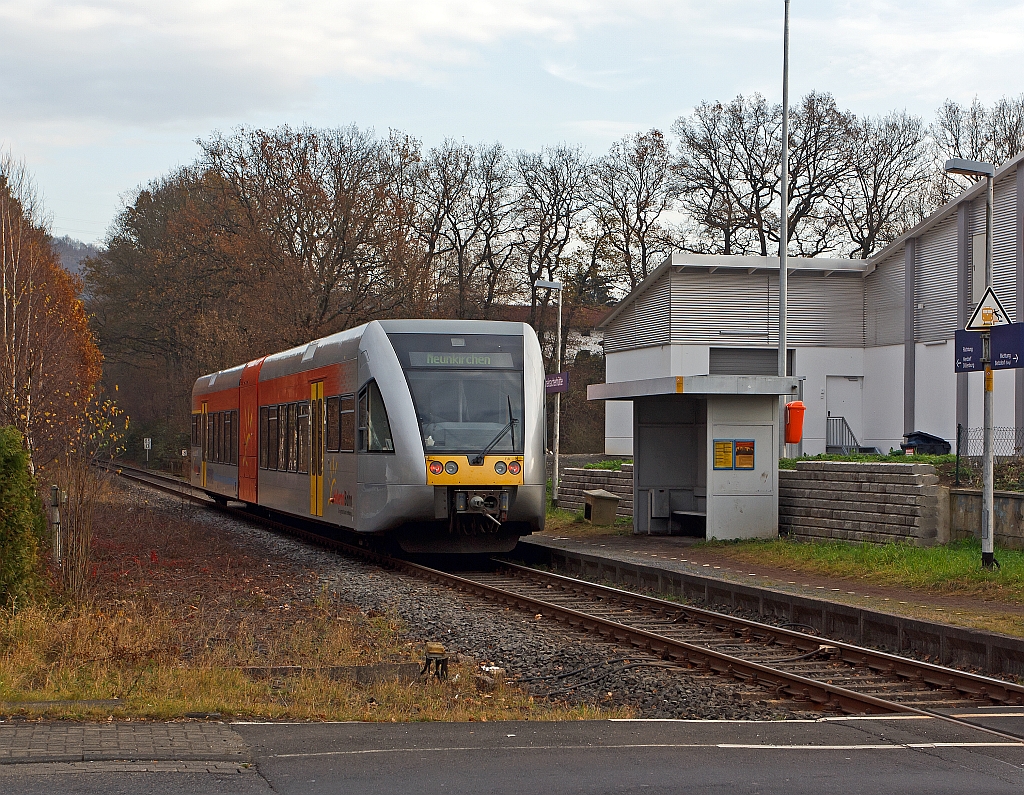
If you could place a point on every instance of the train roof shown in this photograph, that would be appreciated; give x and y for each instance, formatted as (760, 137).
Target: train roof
(345, 345)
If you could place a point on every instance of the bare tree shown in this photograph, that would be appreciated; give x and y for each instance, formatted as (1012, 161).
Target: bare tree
(973, 132)
(633, 189)
(888, 170)
(552, 187)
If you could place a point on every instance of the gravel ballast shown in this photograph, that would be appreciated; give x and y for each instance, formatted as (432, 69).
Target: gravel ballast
(535, 654)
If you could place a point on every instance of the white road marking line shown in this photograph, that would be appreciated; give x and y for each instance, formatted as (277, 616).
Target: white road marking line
(645, 746)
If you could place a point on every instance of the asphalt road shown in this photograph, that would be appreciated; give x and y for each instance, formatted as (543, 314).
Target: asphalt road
(836, 756)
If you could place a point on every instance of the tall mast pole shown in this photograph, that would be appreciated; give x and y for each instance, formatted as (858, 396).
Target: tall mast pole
(784, 210)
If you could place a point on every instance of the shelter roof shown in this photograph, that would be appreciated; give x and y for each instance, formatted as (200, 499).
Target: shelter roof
(695, 385)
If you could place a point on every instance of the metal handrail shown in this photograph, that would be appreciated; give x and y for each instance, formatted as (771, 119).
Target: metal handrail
(839, 434)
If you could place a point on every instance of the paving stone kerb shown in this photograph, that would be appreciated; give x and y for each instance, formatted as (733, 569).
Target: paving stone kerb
(854, 501)
(573, 481)
(59, 741)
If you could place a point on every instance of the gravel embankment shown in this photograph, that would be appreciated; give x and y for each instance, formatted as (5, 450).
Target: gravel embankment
(534, 653)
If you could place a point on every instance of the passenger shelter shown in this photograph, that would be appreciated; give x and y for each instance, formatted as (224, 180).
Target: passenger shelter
(705, 453)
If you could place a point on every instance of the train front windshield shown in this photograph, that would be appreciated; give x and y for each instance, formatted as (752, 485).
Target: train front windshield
(467, 390)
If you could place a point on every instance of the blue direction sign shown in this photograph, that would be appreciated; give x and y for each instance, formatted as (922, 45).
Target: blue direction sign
(968, 351)
(1008, 346)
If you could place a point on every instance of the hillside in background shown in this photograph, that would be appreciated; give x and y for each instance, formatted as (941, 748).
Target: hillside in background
(72, 252)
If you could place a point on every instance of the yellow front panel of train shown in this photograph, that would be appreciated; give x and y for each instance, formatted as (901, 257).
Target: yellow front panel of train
(483, 475)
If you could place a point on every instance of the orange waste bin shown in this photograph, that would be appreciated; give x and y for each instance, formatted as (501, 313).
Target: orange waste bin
(795, 422)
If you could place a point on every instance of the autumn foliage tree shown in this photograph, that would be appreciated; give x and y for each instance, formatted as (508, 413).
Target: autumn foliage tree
(49, 363)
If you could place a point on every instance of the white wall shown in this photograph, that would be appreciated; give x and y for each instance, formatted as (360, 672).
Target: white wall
(883, 397)
(1004, 393)
(641, 363)
(935, 390)
(815, 364)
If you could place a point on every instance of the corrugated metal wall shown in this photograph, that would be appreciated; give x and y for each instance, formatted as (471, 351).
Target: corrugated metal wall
(647, 321)
(824, 310)
(936, 281)
(724, 306)
(883, 301)
(1004, 257)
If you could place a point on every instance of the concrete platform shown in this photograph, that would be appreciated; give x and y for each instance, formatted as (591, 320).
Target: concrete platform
(665, 565)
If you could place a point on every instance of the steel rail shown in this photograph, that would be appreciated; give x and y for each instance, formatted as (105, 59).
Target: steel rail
(938, 676)
(822, 695)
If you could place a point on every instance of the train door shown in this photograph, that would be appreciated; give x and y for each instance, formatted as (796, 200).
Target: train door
(316, 469)
(205, 440)
(248, 439)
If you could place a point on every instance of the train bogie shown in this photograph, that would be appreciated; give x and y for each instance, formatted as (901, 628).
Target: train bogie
(429, 432)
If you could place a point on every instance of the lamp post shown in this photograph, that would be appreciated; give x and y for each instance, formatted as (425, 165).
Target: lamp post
(784, 211)
(973, 168)
(558, 395)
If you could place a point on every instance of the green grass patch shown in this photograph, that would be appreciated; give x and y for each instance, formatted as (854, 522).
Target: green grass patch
(890, 458)
(612, 464)
(953, 568)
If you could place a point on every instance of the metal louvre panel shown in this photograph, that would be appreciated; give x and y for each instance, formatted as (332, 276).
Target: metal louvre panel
(1004, 243)
(645, 322)
(825, 310)
(619, 336)
(723, 306)
(655, 309)
(936, 282)
(743, 361)
(883, 301)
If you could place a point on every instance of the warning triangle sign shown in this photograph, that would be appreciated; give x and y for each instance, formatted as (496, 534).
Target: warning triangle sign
(989, 313)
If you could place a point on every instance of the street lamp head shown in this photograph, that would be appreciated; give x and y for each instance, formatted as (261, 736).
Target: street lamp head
(549, 285)
(972, 168)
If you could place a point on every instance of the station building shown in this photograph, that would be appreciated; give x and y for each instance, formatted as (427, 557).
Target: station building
(872, 339)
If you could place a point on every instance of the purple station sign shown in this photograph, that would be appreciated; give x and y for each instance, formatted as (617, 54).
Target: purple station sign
(556, 382)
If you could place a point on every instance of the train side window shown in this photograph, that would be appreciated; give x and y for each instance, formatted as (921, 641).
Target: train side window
(263, 437)
(302, 432)
(348, 424)
(374, 427)
(218, 438)
(229, 435)
(333, 429)
(234, 437)
(293, 451)
(272, 437)
(207, 437)
(282, 437)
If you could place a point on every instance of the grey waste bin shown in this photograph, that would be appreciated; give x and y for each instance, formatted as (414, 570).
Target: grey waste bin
(599, 506)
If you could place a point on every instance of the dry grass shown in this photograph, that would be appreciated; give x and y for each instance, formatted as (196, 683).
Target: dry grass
(560, 522)
(174, 613)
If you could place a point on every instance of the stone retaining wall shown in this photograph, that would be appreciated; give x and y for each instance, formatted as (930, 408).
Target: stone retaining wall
(965, 516)
(575, 480)
(853, 501)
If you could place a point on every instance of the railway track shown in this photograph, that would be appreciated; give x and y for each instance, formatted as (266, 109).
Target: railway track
(815, 672)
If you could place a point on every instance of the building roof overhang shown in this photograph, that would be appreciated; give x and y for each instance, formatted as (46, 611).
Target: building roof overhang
(695, 385)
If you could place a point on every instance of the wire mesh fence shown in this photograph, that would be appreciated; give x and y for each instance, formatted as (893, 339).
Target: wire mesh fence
(1006, 442)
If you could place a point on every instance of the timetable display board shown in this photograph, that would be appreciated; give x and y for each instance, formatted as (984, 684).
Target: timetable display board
(724, 454)
(733, 454)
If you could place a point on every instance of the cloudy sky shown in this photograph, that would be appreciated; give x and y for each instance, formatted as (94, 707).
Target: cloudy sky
(100, 96)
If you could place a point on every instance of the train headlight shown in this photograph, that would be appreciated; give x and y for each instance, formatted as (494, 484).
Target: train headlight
(451, 467)
(436, 467)
(514, 467)
(499, 467)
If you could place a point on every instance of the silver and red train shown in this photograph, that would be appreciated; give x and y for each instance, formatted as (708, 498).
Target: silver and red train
(428, 432)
